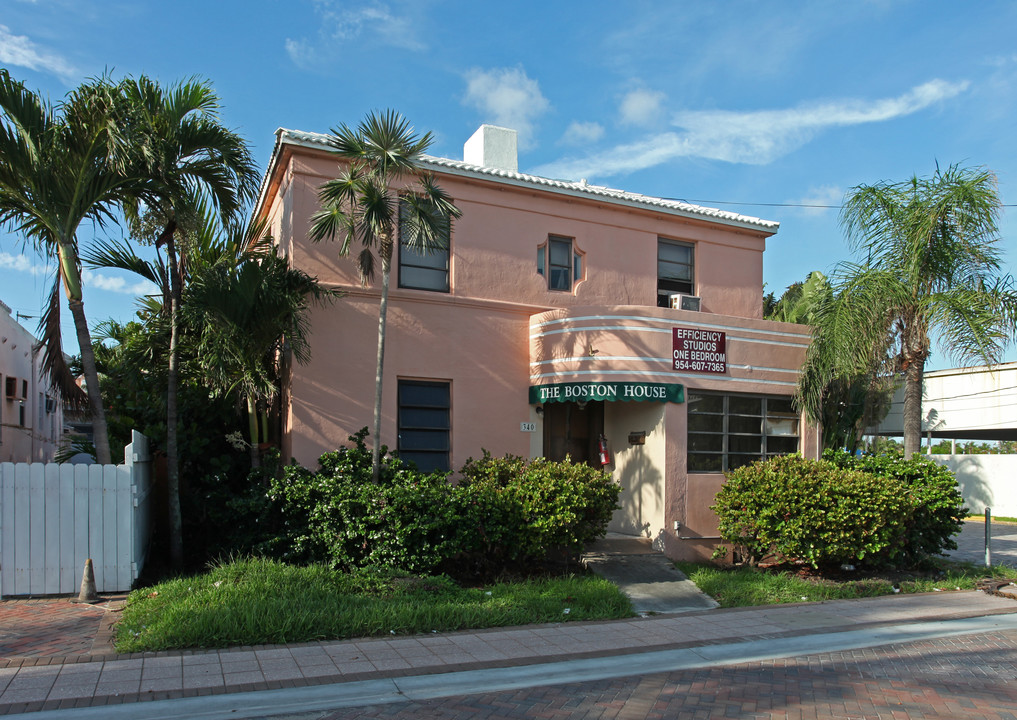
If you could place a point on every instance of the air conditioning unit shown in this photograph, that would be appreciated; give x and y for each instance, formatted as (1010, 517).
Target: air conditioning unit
(680, 301)
(50, 405)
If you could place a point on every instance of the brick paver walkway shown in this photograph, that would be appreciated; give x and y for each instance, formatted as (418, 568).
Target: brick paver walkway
(966, 677)
(52, 628)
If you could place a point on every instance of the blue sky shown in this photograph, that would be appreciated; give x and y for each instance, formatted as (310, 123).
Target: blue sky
(768, 109)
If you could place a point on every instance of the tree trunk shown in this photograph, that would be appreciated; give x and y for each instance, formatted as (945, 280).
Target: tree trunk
(252, 430)
(172, 383)
(72, 286)
(913, 407)
(386, 267)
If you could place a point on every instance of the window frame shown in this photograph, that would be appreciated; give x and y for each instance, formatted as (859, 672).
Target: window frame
(404, 250)
(770, 436)
(403, 409)
(675, 286)
(575, 270)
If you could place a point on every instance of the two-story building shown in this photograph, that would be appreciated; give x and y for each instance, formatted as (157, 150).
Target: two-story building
(564, 319)
(31, 415)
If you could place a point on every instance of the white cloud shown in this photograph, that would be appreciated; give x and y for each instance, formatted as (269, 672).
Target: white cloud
(642, 107)
(582, 133)
(89, 278)
(754, 138)
(507, 97)
(19, 50)
(340, 25)
(21, 263)
(821, 200)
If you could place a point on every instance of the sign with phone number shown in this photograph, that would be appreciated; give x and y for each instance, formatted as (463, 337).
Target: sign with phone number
(701, 351)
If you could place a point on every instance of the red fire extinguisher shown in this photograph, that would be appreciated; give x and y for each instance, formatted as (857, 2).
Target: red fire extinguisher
(605, 456)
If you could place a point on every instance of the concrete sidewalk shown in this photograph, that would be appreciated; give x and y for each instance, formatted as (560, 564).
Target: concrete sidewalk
(448, 663)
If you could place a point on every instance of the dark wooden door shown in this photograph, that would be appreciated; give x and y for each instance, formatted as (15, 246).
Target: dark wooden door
(573, 430)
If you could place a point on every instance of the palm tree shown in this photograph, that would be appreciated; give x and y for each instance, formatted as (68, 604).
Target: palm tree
(188, 156)
(381, 187)
(248, 309)
(932, 268)
(58, 168)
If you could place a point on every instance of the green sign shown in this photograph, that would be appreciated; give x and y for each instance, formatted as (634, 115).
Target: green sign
(609, 391)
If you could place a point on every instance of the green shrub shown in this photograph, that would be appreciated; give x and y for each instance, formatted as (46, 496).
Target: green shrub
(500, 513)
(811, 511)
(550, 505)
(937, 507)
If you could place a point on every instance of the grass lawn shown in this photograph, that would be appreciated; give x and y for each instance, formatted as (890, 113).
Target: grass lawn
(256, 601)
(742, 587)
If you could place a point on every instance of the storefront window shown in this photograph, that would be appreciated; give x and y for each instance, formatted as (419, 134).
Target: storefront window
(728, 431)
(425, 423)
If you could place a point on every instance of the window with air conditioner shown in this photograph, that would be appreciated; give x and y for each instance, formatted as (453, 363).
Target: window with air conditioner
(675, 270)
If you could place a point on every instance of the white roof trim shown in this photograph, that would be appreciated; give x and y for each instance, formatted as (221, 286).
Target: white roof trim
(320, 141)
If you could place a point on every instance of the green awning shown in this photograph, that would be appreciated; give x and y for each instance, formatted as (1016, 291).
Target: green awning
(608, 391)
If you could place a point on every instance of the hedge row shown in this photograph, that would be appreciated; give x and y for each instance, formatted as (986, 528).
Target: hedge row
(499, 513)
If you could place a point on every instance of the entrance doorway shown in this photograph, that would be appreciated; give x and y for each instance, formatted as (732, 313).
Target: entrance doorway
(573, 429)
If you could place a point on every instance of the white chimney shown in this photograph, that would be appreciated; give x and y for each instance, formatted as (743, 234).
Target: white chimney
(492, 147)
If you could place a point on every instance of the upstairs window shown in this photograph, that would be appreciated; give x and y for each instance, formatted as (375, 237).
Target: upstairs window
(560, 263)
(420, 270)
(675, 266)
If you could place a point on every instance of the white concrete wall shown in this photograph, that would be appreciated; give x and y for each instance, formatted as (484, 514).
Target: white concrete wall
(639, 469)
(985, 481)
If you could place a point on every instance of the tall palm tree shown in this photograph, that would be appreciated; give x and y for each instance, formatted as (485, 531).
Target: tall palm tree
(187, 156)
(59, 167)
(932, 268)
(382, 189)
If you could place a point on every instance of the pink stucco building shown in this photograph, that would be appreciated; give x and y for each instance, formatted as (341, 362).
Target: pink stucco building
(548, 329)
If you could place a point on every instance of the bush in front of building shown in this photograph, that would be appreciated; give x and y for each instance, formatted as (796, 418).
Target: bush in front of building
(789, 509)
(501, 513)
(937, 506)
(554, 506)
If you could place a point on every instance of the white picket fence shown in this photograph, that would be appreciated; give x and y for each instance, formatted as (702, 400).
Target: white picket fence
(53, 517)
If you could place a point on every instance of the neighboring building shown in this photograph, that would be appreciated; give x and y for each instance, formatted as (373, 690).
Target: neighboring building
(551, 308)
(31, 416)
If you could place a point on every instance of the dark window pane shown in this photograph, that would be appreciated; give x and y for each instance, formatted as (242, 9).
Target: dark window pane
(423, 278)
(541, 252)
(739, 424)
(427, 461)
(560, 279)
(425, 394)
(781, 445)
(423, 440)
(712, 443)
(698, 462)
(745, 405)
(706, 403)
(745, 444)
(780, 405)
(423, 418)
(706, 423)
(674, 252)
(737, 461)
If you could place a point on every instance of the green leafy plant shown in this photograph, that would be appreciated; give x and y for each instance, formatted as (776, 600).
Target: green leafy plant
(937, 506)
(792, 509)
